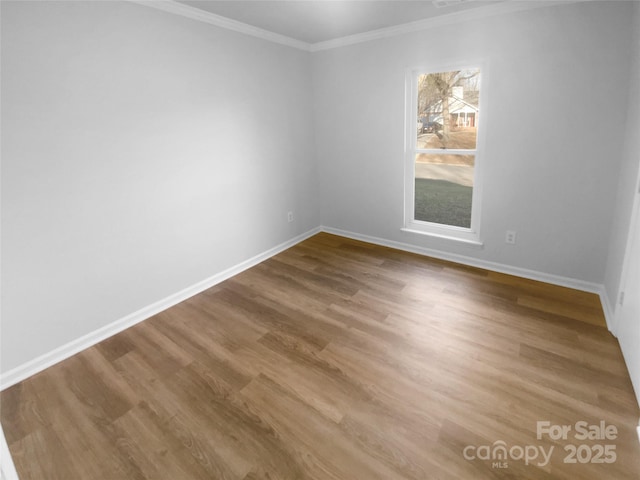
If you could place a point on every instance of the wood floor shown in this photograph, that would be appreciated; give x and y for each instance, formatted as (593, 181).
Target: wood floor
(338, 360)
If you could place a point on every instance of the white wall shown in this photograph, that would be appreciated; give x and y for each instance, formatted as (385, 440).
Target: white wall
(627, 318)
(623, 263)
(142, 152)
(555, 122)
(628, 172)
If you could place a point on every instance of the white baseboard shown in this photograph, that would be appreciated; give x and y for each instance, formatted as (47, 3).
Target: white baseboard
(607, 308)
(42, 362)
(474, 262)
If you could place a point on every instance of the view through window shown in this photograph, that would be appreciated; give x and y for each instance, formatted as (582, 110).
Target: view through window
(444, 147)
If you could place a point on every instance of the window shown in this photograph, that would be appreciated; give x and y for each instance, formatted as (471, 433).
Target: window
(442, 190)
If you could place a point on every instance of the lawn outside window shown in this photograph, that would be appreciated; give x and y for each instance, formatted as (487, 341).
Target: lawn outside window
(442, 180)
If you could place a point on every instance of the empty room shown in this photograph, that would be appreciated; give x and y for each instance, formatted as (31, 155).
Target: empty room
(345, 240)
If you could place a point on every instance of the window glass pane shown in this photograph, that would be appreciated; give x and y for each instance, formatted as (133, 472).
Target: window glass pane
(448, 109)
(444, 188)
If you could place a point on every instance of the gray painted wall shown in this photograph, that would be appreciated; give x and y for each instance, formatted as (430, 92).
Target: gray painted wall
(142, 152)
(554, 122)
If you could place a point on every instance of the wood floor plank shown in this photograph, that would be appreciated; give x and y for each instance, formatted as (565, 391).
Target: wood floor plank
(36, 456)
(298, 425)
(584, 313)
(336, 360)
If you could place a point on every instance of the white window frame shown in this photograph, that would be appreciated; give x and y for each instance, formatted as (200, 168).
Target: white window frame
(469, 235)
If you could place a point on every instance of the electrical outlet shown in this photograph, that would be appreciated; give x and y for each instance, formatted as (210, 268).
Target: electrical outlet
(290, 217)
(510, 237)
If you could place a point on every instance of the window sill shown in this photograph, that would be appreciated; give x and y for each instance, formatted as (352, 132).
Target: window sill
(471, 243)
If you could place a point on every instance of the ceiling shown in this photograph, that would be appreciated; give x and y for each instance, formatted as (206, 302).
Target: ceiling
(314, 21)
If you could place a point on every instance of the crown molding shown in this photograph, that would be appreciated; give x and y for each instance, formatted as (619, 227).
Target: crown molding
(219, 21)
(440, 21)
(496, 9)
